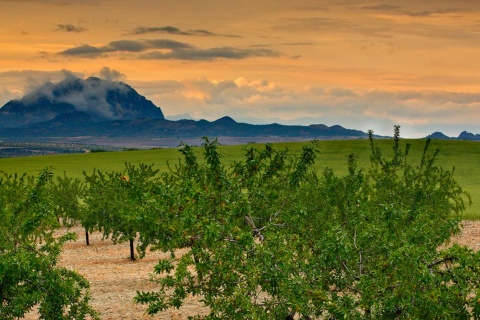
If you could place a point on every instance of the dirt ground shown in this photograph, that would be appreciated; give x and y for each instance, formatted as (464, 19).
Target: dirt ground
(114, 279)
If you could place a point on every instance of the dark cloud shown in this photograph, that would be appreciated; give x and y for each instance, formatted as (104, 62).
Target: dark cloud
(176, 31)
(89, 51)
(398, 10)
(125, 45)
(175, 50)
(70, 28)
(211, 54)
(84, 50)
(168, 44)
(167, 29)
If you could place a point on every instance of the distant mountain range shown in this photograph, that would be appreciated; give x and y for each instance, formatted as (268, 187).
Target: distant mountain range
(114, 110)
(106, 110)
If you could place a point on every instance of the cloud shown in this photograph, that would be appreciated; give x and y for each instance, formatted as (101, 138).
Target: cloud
(84, 50)
(7, 95)
(111, 75)
(211, 54)
(91, 95)
(25, 81)
(170, 50)
(419, 112)
(88, 51)
(176, 31)
(70, 28)
(427, 13)
(400, 11)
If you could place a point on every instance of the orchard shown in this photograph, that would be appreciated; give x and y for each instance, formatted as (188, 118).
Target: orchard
(268, 237)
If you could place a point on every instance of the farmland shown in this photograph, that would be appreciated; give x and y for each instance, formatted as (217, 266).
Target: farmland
(464, 156)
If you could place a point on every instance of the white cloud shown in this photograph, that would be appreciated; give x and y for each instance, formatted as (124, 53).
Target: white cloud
(7, 95)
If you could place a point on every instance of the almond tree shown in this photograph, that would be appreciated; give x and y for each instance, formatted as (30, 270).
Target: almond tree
(114, 202)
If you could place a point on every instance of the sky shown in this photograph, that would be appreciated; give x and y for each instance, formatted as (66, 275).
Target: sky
(360, 64)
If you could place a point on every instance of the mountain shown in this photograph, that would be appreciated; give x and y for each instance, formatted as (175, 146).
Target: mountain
(113, 110)
(439, 136)
(101, 100)
(462, 136)
(468, 136)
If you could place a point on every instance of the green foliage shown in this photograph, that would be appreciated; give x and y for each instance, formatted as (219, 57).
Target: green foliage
(114, 202)
(463, 155)
(269, 237)
(29, 251)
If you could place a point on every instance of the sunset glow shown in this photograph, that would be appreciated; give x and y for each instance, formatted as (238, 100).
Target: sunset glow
(363, 65)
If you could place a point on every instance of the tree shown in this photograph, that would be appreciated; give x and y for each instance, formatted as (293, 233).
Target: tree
(269, 238)
(67, 196)
(29, 252)
(114, 202)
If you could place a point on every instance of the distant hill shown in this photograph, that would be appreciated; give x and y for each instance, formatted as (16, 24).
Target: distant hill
(101, 100)
(462, 136)
(468, 136)
(98, 108)
(438, 135)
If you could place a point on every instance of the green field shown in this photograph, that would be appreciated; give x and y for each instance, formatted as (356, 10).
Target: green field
(464, 156)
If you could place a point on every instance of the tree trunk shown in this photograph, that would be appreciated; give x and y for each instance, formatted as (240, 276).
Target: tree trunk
(87, 239)
(132, 251)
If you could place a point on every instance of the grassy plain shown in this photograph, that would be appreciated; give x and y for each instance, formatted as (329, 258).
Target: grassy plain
(464, 156)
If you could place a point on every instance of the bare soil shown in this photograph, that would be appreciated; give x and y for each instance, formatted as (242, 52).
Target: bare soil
(114, 279)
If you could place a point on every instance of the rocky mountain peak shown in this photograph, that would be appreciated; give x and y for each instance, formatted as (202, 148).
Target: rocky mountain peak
(102, 100)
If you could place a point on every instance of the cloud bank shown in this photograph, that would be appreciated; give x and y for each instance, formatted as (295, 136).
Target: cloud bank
(261, 101)
(166, 49)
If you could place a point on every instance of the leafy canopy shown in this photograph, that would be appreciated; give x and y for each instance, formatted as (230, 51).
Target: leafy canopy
(269, 237)
(29, 252)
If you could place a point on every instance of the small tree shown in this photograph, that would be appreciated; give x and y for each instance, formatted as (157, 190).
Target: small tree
(29, 251)
(270, 238)
(67, 196)
(114, 202)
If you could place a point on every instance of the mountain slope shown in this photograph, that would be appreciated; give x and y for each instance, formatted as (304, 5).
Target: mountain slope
(102, 100)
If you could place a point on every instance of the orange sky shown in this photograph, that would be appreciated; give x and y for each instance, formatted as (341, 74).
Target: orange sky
(360, 64)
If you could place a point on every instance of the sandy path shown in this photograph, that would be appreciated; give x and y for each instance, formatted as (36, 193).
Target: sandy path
(114, 279)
